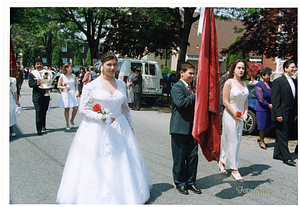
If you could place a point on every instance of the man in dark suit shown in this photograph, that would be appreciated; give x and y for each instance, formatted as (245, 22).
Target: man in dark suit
(184, 146)
(19, 79)
(137, 88)
(284, 111)
(40, 101)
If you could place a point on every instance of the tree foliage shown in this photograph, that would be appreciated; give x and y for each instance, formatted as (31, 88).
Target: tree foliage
(78, 57)
(136, 32)
(236, 54)
(57, 57)
(89, 21)
(88, 60)
(272, 32)
(39, 23)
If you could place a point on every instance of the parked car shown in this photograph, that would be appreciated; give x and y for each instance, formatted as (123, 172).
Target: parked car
(250, 126)
(152, 84)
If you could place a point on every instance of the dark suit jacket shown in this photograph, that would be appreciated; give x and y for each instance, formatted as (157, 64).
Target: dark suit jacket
(282, 99)
(20, 77)
(183, 102)
(37, 93)
(137, 83)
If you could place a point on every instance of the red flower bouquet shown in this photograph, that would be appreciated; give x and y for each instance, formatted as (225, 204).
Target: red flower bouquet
(97, 108)
(11, 83)
(194, 90)
(65, 84)
(238, 114)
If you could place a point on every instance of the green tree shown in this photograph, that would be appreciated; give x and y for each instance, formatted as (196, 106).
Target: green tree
(272, 32)
(136, 32)
(26, 44)
(38, 22)
(78, 57)
(89, 21)
(57, 57)
(88, 60)
(237, 54)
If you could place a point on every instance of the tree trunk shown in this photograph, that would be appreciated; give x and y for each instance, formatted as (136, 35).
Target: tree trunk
(187, 24)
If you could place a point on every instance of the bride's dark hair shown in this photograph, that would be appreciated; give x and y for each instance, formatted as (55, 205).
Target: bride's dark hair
(231, 71)
(108, 56)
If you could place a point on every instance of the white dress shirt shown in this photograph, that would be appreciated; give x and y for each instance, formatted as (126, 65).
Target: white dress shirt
(292, 84)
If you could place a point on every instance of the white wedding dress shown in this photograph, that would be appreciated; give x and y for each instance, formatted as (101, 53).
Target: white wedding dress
(104, 164)
(231, 129)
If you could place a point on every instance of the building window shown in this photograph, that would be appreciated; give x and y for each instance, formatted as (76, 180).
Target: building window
(64, 48)
(44, 60)
(82, 49)
(83, 61)
(65, 60)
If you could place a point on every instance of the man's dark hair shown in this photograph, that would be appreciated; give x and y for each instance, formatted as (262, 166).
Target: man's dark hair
(186, 65)
(287, 63)
(133, 69)
(138, 70)
(37, 60)
(92, 68)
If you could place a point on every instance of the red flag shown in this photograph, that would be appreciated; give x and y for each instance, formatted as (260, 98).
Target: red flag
(13, 63)
(207, 129)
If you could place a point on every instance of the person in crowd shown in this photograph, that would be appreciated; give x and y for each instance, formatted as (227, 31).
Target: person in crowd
(184, 146)
(20, 79)
(130, 94)
(40, 101)
(67, 82)
(80, 77)
(26, 72)
(85, 79)
(263, 105)
(284, 111)
(253, 79)
(13, 101)
(235, 100)
(137, 88)
(104, 163)
(92, 74)
(223, 79)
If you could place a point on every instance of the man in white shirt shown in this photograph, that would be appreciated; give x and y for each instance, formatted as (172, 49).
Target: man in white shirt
(284, 111)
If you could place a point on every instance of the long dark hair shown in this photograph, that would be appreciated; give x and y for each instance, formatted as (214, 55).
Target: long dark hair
(244, 77)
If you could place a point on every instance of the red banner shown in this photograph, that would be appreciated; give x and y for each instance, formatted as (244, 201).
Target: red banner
(207, 128)
(13, 64)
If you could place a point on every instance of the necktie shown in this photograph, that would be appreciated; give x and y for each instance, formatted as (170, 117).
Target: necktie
(190, 88)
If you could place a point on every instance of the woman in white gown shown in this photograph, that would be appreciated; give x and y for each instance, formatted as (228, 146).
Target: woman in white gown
(104, 164)
(68, 85)
(13, 101)
(235, 100)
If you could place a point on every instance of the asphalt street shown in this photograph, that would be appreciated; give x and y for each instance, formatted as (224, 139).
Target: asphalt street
(36, 163)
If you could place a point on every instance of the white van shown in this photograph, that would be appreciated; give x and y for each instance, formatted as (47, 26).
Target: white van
(151, 72)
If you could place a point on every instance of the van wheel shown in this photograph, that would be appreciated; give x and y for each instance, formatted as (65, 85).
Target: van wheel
(150, 101)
